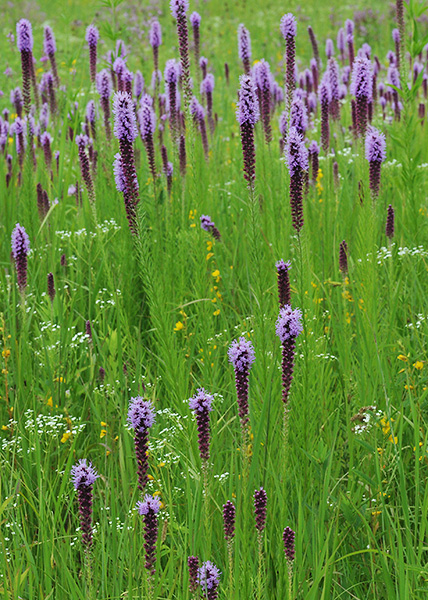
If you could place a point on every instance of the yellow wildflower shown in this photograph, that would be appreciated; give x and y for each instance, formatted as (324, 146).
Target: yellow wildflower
(65, 437)
(216, 312)
(402, 357)
(178, 326)
(49, 402)
(419, 365)
(102, 433)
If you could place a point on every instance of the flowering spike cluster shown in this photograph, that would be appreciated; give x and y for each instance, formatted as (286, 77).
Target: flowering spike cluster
(288, 327)
(375, 154)
(20, 250)
(209, 579)
(389, 229)
(193, 565)
(141, 417)
(83, 478)
(288, 539)
(201, 404)
(260, 503)
(247, 115)
(263, 79)
(229, 515)
(179, 9)
(149, 508)
(147, 123)
(288, 29)
(92, 37)
(343, 257)
(333, 76)
(297, 158)
(208, 225)
(298, 116)
(242, 356)
(24, 42)
(282, 269)
(362, 89)
(244, 47)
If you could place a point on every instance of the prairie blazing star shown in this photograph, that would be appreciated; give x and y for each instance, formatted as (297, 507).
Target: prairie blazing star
(315, 50)
(208, 225)
(375, 154)
(24, 41)
(324, 95)
(333, 76)
(263, 79)
(49, 47)
(282, 269)
(149, 508)
(51, 287)
(288, 328)
(244, 47)
(229, 515)
(20, 250)
(288, 29)
(45, 142)
(207, 88)
(242, 356)
(247, 115)
(193, 565)
(198, 113)
(141, 417)
(343, 257)
(83, 477)
(389, 229)
(147, 124)
(155, 38)
(260, 503)
(362, 89)
(171, 76)
(209, 579)
(289, 550)
(298, 116)
(138, 84)
(82, 142)
(349, 28)
(201, 404)
(195, 20)
(104, 88)
(314, 151)
(92, 37)
(179, 9)
(298, 165)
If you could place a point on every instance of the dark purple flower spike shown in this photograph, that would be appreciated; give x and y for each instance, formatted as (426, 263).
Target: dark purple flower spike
(298, 165)
(82, 142)
(208, 225)
(242, 356)
(198, 113)
(155, 38)
(195, 20)
(282, 269)
(51, 287)
(288, 327)
(83, 478)
(244, 48)
(324, 98)
(389, 229)
(105, 90)
(289, 30)
(375, 154)
(343, 257)
(362, 89)
(149, 508)
(313, 160)
(264, 83)
(92, 37)
(201, 404)
(193, 565)
(209, 579)
(147, 124)
(179, 9)
(24, 41)
(49, 47)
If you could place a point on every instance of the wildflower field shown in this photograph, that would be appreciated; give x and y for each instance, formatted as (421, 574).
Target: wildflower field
(213, 300)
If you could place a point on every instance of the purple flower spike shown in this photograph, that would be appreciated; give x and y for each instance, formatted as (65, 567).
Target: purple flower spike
(247, 115)
(179, 9)
(263, 79)
(83, 478)
(209, 579)
(314, 151)
(333, 77)
(244, 47)
(208, 225)
(298, 116)
(92, 37)
(324, 98)
(125, 127)
(349, 28)
(20, 250)
(288, 29)
(315, 50)
(24, 41)
(207, 88)
(105, 90)
(24, 36)
(389, 229)
(141, 417)
(198, 113)
(229, 514)
(343, 257)
(298, 165)
(288, 327)
(242, 356)
(147, 123)
(260, 503)
(82, 142)
(45, 142)
(51, 287)
(375, 154)
(201, 406)
(362, 88)
(195, 20)
(155, 35)
(49, 47)
(193, 565)
(329, 48)
(149, 508)
(282, 269)
(288, 539)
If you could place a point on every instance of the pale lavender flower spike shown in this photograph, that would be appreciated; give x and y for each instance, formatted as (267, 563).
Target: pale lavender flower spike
(92, 35)
(125, 126)
(49, 45)
(149, 503)
(24, 36)
(288, 26)
(176, 5)
(119, 176)
(288, 324)
(195, 19)
(248, 106)
(208, 577)
(155, 36)
(141, 415)
(83, 474)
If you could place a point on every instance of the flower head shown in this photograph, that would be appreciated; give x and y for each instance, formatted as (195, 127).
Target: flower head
(375, 145)
(179, 6)
(207, 85)
(248, 105)
(155, 36)
(20, 242)
(172, 71)
(201, 402)
(24, 36)
(119, 176)
(141, 414)
(288, 26)
(260, 503)
(244, 43)
(208, 575)
(83, 474)
(92, 35)
(147, 117)
(362, 78)
(149, 504)
(288, 539)
(297, 153)
(241, 354)
(103, 83)
(281, 265)
(288, 324)
(195, 19)
(206, 222)
(49, 45)
(125, 127)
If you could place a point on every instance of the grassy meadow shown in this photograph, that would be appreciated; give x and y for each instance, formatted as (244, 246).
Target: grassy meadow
(164, 307)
